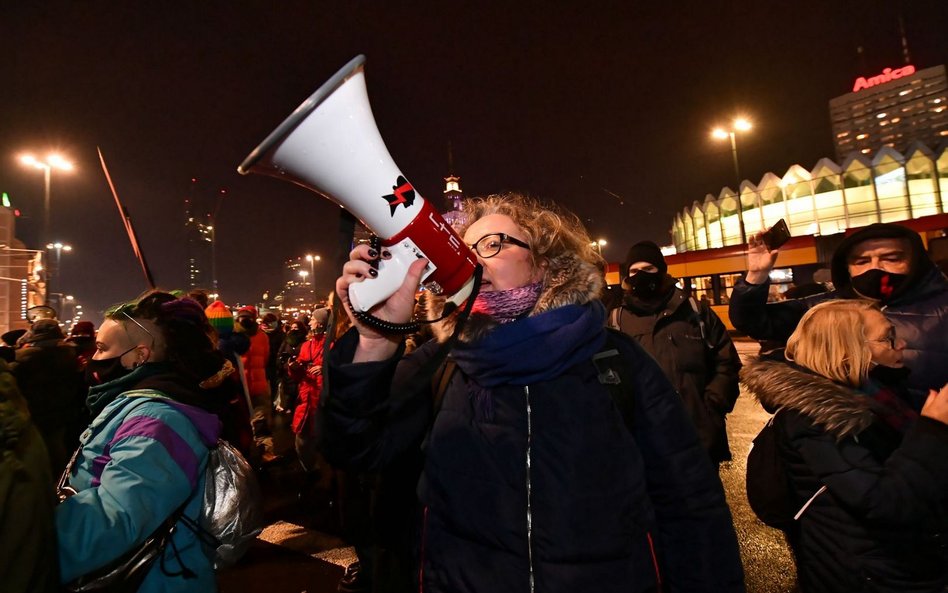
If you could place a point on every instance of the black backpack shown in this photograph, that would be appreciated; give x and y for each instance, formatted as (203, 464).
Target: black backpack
(770, 491)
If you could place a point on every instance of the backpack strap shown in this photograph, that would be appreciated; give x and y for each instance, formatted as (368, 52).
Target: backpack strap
(615, 318)
(439, 383)
(615, 376)
(701, 324)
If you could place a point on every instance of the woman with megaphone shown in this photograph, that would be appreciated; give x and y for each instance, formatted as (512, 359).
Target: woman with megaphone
(557, 457)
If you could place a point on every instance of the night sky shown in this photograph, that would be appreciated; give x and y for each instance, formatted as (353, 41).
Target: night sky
(577, 102)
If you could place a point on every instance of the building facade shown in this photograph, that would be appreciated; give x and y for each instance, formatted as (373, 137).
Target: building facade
(891, 109)
(22, 275)
(827, 199)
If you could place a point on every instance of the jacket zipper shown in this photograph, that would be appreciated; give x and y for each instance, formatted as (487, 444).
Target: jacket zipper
(526, 393)
(421, 551)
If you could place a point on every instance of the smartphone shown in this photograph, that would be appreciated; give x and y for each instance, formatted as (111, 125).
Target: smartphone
(776, 235)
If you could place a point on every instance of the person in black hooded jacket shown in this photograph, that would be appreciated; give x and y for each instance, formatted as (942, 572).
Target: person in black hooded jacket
(869, 474)
(884, 263)
(687, 340)
(532, 480)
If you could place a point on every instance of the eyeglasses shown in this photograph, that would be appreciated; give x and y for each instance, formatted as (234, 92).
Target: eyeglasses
(490, 245)
(124, 309)
(890, 339)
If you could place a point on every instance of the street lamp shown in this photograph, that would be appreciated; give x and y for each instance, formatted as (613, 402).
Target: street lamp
(598, 244)
(54, 270)
(738, 125)
(53, 161)
(312, 259)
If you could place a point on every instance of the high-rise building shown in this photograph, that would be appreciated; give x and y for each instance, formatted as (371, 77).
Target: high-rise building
(199, 237)
(893, 108)
(297, 296)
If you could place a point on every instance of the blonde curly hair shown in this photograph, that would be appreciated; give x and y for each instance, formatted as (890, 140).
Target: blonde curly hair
(551, 231)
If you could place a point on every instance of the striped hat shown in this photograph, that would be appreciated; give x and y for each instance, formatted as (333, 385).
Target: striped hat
(220, 318)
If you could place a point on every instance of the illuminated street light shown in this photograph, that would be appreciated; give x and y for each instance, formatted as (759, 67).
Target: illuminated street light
(599, 244)
(53, 161)
(739, 124)
(312, 259)
(51, 271)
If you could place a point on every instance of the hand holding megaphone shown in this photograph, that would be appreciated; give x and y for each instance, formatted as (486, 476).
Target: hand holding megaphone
(396, 309)
(331, 145)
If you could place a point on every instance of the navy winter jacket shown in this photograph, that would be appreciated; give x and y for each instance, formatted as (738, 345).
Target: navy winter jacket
(552, 493)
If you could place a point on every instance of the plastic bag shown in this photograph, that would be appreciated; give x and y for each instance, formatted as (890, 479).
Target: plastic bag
(232, 513)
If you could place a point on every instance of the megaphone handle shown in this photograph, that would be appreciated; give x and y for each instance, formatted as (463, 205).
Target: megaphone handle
(372, 291)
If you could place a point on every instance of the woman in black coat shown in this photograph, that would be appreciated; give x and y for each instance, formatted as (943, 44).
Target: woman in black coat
(870, 474)
(533, 481)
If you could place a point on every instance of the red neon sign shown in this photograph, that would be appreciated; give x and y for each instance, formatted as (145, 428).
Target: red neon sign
(888, 75)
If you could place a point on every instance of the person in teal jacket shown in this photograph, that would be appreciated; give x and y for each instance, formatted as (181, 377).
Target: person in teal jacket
(144, 455)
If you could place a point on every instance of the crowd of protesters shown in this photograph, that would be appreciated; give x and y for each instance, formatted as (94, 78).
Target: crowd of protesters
(566, 444)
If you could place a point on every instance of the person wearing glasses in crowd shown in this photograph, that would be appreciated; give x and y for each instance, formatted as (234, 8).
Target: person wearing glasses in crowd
(142, 459)
(532, 479)
(869, 473)
(883, 263)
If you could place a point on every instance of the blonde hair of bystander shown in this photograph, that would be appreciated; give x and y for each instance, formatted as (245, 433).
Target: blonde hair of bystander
(830, 340)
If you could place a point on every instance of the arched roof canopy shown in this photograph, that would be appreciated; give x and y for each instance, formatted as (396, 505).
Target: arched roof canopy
(796, 182)
(857, 170)
(827, 176)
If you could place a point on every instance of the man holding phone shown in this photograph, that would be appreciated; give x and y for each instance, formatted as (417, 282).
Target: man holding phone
(882, 262)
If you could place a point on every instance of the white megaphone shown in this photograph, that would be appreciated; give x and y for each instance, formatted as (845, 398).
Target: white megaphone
(332, 146)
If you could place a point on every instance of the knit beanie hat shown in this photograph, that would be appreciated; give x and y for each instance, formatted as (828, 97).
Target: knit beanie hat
(44, 329)
(247, 310)
(646, 251)
(220, 318)
(320, 315)
(82, 328)
(10, 338)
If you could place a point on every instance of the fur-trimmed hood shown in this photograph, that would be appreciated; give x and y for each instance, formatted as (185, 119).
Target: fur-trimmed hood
(840, 410)
(569, 280)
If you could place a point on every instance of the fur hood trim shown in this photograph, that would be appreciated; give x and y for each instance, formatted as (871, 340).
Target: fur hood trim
(840, 410)
(568, 280)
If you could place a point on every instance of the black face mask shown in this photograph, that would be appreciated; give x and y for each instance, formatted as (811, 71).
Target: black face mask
(247, 323)
(645, 285)
(295, 337)
(106, 369)
(876, 284)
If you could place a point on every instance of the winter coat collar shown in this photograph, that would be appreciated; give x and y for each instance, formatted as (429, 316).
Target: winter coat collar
(158, 376)
(568, 280)
(668, 305)
(840, 410)
(537, 348)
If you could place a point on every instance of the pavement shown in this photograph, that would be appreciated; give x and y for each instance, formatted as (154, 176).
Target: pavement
(301, 549)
